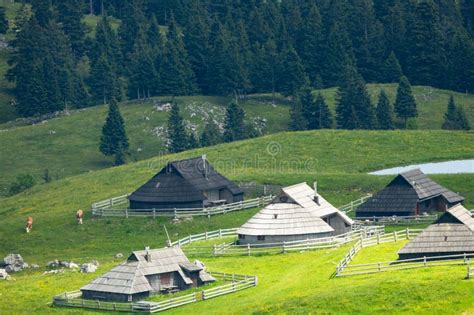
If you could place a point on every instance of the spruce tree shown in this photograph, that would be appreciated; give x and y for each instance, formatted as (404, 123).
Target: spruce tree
(451, 116)
(462, 119)
(3, 21)
(297, 121)
(312, 44)
(234, 127)
(70, 17)
(210, 134)
(405, 105)
(392, 71)
(307, 106)
(114, 141)
(384, 112)
(104, 81)
(193, 142)
(291, 75)
(323, 116)
(178, 140)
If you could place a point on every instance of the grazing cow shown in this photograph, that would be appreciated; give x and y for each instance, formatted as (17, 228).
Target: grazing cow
(79, 216)
(29, 224)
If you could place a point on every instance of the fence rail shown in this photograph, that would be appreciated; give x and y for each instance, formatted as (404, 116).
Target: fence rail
(107, 208)
(371, 241)
(237, 282)
(427, 261)
(397, 219)
(353, 204)
(231, 249)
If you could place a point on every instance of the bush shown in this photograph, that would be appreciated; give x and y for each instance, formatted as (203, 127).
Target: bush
(22, 183)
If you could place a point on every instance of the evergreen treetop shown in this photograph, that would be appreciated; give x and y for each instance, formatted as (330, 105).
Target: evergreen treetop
(114, 139)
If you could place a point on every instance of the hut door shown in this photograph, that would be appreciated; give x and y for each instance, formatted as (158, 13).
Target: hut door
(417, 209)
(165, 279)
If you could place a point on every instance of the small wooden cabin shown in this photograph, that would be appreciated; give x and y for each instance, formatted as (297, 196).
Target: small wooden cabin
(409, 194)
(451, 234)
(297, 213)
(145, 273)
(191, 183)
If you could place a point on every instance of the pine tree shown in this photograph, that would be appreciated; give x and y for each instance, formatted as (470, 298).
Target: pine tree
(451, 116)
(210, 135)
(354, 109)
(178, 140)
(297, 121)
(104, 82)
(384, 112)
(234, 127)
(192, 141)
(291, 75)
(176, 74)
(462, 119)
(405, 105)
(114, 141)
(3, 21)
(70, 17)
(43, 11)
(323, 116)
(312, 44)
(392, 71)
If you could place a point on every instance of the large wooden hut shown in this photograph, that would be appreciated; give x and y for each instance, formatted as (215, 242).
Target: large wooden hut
(408, 194)
(191, 183)
(297, 213)
(145, 273)
(451, 234)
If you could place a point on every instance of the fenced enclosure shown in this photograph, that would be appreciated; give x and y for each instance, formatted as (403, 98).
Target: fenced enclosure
(426, 261)
(237, 283)
(116, 207)
(232, 249)
(354, 204)
(371, 241)
(394, 220)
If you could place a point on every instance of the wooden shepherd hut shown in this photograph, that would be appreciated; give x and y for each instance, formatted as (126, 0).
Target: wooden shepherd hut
(297, 213)
(145, 273)
(451, 234)
(409, 194)
(191, 183)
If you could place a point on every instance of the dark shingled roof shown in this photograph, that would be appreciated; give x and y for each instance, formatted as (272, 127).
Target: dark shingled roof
(404, 191)
(183, 181)
(453, 232)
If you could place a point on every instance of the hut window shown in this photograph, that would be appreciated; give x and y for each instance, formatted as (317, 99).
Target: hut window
(260, 237)
(275, 216)
(241, 237)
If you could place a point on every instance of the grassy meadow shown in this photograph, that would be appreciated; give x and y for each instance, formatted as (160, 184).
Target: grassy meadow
(73, 147)
(293, 283)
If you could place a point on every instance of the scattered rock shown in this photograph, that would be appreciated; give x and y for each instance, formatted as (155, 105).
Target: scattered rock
(4, 274)
(55, 271)
(163, 107)
(73, 265)
(14, 263)
(95, 263)
(64, 264)
(188, 219)
(175, 221)
(119, 255)
(53, 264)
(88, 268)
(34, 266)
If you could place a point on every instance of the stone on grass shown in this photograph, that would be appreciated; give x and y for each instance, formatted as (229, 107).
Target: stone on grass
(88, 268)
(119, 255)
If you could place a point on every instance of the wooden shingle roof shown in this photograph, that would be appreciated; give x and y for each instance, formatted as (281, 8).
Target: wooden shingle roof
(299, 214)
(452, 232)
(183, 181)
(130, 276)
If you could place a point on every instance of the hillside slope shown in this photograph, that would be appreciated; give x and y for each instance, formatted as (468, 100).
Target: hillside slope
(298, 282)
(72, 148)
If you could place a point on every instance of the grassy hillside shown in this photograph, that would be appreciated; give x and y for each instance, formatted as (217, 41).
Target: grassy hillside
(291, 283)
(73, 149)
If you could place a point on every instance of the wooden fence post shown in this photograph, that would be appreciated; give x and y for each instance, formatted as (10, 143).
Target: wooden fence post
(154, 214)
(424, 260)
(126, 213)
(220, 232)
(205, 234)
(284, 249)
(378, 238)
(175, 214)
(395, 236)
(248, 249)
(214, 249)
(407, 232)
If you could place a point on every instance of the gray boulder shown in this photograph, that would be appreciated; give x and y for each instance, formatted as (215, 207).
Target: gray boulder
(53, 264)
(64, 264)
(34, 266)
(88, 268)
(119, 255)
(3, 274)
(73, 265)
(13, 259)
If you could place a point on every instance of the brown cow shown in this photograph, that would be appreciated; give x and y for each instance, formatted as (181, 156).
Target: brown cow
(29, 224)
(79, 216)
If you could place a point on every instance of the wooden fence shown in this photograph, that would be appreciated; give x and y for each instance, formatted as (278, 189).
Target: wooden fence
(108, 208)
(393, 220)
(232, 249)
(470, 271)
(370, 241)
(237, 283)
(427, 261)
(354, 204)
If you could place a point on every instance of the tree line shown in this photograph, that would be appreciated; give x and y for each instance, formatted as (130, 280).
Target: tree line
(226, 47)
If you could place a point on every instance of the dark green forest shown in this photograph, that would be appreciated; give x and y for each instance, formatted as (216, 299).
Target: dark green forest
(236, 47)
